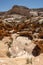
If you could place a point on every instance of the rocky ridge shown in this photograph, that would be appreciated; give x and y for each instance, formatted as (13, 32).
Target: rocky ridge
(21, 36)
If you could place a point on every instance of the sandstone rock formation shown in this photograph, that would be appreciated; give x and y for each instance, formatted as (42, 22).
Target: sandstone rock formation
(21, 36)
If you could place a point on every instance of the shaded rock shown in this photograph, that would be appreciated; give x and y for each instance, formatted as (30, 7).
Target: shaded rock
(36, 51)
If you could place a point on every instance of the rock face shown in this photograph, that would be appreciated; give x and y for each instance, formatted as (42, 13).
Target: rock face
(21, 36)
(34, 13)
(21, 46)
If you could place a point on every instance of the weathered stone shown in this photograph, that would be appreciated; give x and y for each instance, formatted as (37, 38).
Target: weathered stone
(38, 60)
(14, 61)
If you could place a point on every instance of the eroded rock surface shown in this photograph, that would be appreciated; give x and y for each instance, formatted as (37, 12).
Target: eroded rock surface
(21, 36)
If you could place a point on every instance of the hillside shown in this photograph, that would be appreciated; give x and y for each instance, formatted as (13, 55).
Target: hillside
(21, 36)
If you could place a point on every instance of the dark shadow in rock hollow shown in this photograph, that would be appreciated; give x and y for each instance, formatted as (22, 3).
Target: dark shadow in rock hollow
(36, 51)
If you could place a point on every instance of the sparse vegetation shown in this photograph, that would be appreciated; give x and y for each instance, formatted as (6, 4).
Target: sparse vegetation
(8, 54)
(29, 61)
